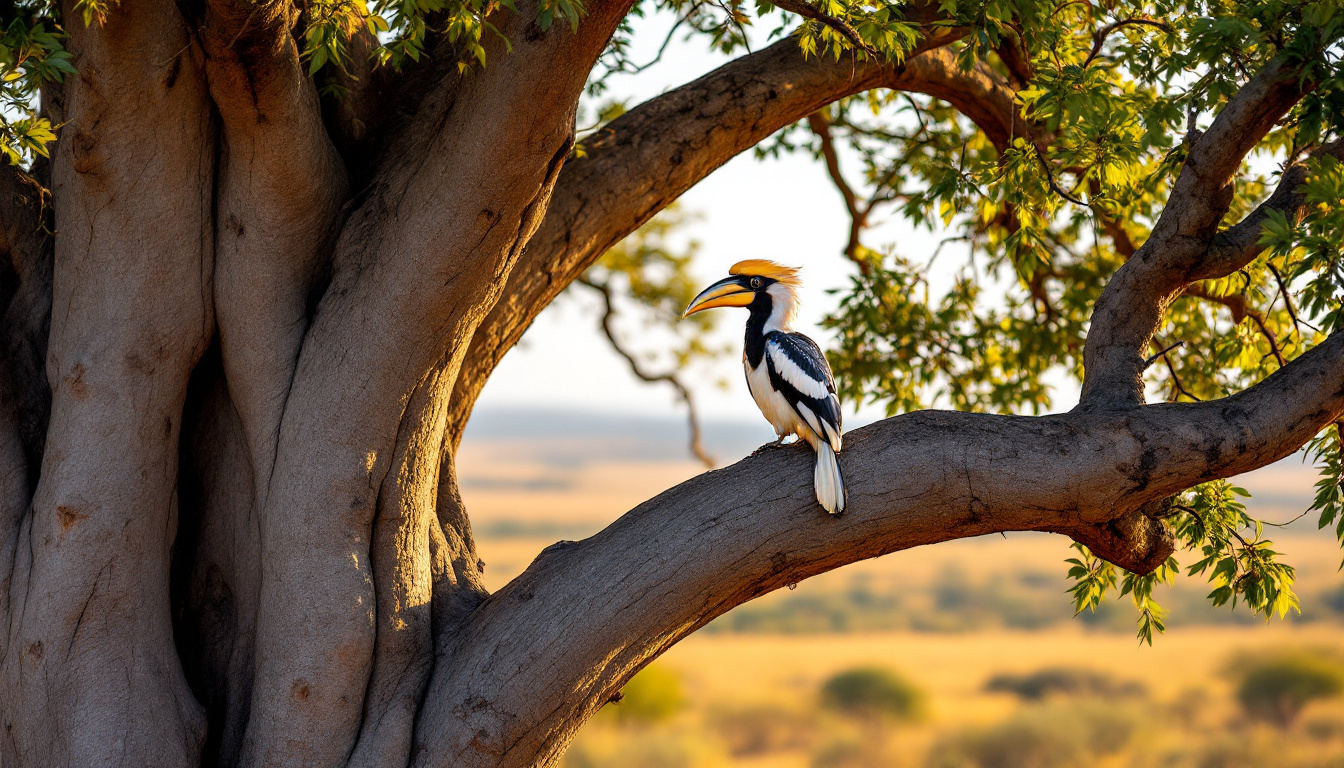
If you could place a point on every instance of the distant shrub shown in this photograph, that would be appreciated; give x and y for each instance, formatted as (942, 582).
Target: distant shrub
(1051, 736)
(761, 729)
(654, 749)
(1276, 689)
(652, 695)
(852, 752)
(873, 692)
(1063, 681)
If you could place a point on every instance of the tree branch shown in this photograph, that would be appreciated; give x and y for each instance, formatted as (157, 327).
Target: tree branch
(693, 419)
(1239, 245)
(858, 216)
(1131, 307)
(591, 613)
(1099, 39)
(644, 160)
(419, 260)
(841, 26)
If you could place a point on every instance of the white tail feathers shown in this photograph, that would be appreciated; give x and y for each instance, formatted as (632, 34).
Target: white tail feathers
(826, 479)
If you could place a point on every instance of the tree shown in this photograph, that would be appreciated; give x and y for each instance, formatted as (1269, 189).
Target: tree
(1276, 689)
(277, 249)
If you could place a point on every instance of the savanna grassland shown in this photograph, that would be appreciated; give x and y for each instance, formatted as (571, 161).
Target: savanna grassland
(965, 655)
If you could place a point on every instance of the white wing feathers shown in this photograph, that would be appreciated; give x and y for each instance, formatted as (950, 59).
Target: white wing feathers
(790, 372)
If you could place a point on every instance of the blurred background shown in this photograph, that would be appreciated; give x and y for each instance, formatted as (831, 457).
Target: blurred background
(964, 654)
(961, 654)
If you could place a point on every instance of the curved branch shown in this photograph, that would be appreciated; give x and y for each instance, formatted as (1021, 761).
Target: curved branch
(417, 263)
(587, 615)
(1099, 39)
(647, 158)
(841, 26)
(818, 123)
(1238, 245)
(692, 416)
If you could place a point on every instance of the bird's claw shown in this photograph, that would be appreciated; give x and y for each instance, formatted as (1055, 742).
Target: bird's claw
(771, 446)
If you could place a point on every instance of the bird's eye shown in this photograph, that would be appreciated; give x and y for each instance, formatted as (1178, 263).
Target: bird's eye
(756, 282)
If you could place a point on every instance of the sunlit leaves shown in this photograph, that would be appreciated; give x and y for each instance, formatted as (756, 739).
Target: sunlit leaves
(30, 54)
(1093, 578)
(1234, 555)
(405, 27)
(1328, 501)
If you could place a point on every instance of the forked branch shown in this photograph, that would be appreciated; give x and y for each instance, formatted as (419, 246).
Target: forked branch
(1131, 306)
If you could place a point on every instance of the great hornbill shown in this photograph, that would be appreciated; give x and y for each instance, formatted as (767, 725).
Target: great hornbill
(787, 373)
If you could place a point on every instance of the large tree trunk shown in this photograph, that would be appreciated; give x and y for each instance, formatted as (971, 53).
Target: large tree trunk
(236, 376)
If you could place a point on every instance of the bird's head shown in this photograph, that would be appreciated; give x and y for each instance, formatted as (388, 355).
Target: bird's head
(746, 282)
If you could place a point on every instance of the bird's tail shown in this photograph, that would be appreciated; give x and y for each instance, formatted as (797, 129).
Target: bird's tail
(826, 479)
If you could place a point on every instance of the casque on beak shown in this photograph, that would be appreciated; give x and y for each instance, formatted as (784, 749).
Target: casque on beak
(728, 292)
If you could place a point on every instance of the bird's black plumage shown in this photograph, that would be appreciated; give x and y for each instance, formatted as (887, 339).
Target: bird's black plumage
(807, 358)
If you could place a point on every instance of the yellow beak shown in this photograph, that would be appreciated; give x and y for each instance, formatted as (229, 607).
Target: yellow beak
(728, 292)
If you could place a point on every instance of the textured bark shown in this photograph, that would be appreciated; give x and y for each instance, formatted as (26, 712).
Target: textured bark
(276, 316)
(90, 672)
(415, 268)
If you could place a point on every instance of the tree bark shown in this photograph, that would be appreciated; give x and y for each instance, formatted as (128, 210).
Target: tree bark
(91, 674)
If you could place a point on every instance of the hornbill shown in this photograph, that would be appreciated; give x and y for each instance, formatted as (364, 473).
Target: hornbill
(786, 372)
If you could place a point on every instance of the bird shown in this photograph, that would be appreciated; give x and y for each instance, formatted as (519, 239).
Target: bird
(787, 372)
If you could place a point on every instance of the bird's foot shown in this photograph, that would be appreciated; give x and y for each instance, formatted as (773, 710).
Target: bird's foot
(771, 446)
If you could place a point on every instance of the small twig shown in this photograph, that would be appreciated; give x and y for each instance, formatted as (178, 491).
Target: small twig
(939, 249)
(1288, 300)
(858, 217)
(1099, 38)
(839, 25)
(1175, 378)
(919, 114)
(1237, 305)
(1064, 5)
(1054, 185)
(1149, 362)
(671, 378)
(1285, 524)
(636, 69)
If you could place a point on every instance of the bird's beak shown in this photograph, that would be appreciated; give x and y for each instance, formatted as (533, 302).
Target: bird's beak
(728, 292)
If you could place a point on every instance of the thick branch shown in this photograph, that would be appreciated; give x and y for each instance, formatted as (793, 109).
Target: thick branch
(92, 677)
(643, 161)
(1131, 306)
(417, 262)
(587, 615)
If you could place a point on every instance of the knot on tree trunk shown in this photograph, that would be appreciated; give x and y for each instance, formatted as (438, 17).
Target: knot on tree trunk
(1138, 541)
